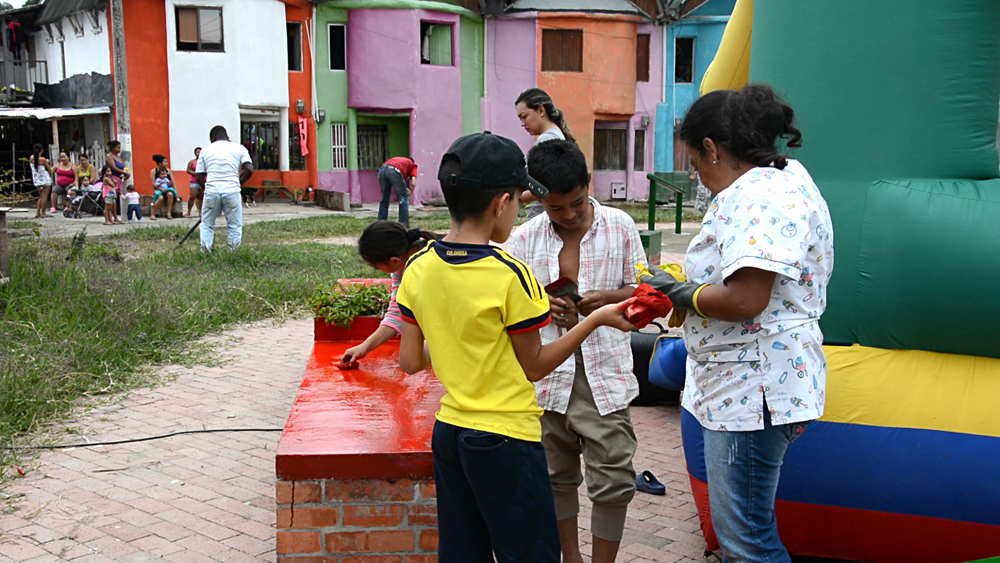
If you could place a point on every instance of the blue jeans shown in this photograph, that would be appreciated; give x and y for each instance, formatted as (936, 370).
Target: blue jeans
(134, 209)
(493, 497)
(743, 469)
(228, 204)
(389, 179)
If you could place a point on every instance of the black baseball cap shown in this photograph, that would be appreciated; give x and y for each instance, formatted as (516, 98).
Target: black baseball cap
(490, 161)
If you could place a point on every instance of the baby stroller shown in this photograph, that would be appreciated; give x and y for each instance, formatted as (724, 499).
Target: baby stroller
(86, 202)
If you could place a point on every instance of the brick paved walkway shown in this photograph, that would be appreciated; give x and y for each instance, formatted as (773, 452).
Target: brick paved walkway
(210, 497)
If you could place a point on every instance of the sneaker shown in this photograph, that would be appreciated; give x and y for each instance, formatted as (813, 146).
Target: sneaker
(129, 221)
(53, 210)
(139, 220)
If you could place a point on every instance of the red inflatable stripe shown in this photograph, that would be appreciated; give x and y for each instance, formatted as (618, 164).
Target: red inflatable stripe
(868, 535)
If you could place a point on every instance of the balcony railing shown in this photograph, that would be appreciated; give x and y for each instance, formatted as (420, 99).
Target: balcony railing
(22, 76)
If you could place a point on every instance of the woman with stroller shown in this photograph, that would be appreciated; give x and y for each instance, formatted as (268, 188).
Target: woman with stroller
(66, 180)
(41, 176)
(86, 170)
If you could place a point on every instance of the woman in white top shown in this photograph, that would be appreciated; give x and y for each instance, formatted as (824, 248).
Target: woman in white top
(757, 275)
(41, 176)
(540, 118)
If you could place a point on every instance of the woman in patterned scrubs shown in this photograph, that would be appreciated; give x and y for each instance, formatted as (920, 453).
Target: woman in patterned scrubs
(757, 280)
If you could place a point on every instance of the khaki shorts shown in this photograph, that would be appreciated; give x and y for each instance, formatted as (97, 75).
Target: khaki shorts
(607, 444)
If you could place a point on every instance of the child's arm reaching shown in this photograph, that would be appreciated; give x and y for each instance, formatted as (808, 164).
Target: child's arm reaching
(538, 361)
(413, 353)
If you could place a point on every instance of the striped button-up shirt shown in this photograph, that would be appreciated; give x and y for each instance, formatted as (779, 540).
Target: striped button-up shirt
(609, 253)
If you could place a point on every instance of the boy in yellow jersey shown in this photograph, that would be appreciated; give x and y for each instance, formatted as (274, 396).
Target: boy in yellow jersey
(480, 310)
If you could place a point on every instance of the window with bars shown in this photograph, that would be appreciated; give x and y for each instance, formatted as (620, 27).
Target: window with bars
(639, 161)
(294, 32)
(262, 139)
(642, 57)
(610, 149)
(296, 160)
(373, 146)
(199, 29)
(562, 50)
(339, 131)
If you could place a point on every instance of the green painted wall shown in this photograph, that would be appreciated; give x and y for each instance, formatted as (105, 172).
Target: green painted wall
(331, 88)
(399, 133)
(471, 47)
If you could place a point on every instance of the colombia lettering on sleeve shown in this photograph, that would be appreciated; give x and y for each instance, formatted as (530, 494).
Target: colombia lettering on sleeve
(407, 314)
(529, 325)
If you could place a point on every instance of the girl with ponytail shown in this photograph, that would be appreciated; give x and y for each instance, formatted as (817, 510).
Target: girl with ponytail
(387, 246)
(41, 176)
(540, 118)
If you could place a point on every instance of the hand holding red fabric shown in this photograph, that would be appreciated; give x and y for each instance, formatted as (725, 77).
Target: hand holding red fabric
(645, 306)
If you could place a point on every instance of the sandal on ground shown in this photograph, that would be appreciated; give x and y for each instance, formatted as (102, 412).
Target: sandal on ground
(152, 218)
(106, 223)
(647, 483)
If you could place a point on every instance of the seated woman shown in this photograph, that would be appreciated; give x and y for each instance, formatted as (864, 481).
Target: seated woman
(164, 191)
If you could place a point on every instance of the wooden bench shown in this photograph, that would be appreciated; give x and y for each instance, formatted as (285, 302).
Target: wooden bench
(274, 187)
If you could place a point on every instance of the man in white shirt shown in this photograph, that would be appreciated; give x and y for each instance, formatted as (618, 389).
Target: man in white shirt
(222, 168)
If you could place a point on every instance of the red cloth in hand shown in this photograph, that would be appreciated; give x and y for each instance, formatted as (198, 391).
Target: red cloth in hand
(645, 306)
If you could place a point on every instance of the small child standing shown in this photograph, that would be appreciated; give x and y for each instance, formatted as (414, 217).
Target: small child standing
(132, 200)
(109, 191)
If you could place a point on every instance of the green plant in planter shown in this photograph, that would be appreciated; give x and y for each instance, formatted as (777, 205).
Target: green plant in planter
(339, 303)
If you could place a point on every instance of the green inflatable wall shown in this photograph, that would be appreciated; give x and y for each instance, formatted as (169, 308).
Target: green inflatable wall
(897, 101)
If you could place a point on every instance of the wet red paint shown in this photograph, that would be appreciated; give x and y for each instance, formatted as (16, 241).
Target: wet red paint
(374, 422)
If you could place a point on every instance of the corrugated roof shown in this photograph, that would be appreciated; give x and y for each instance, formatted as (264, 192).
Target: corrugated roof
(602, 6)
(54, 10)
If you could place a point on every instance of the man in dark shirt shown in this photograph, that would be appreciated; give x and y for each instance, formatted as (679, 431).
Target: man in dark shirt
(398, 173)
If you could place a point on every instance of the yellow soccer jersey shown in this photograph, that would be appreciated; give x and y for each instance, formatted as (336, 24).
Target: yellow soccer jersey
(467, 300)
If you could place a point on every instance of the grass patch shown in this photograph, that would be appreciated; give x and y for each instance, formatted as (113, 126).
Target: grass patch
(23, 224)
(85, 317)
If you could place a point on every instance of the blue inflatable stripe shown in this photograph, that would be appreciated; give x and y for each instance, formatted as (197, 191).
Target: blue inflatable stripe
(901, 470)
(694, 445)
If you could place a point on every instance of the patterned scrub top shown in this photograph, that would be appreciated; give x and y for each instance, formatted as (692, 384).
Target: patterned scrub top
(773, 220)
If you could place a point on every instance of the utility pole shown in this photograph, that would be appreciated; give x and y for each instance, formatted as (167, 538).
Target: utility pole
(123, 121)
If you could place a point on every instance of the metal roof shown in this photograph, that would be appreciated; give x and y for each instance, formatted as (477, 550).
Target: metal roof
(50, 113)
(601, 6)
(54, 10)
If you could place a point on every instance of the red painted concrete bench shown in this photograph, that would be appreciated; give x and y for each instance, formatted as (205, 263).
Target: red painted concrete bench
(354, 466)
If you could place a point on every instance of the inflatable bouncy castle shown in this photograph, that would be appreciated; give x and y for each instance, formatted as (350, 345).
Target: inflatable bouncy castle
(897, 101)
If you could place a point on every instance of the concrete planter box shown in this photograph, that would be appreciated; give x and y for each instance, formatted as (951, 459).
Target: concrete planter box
(355, 473)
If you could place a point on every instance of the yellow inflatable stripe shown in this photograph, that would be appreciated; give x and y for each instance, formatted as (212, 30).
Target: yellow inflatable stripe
(912, 389)
(730, 70)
